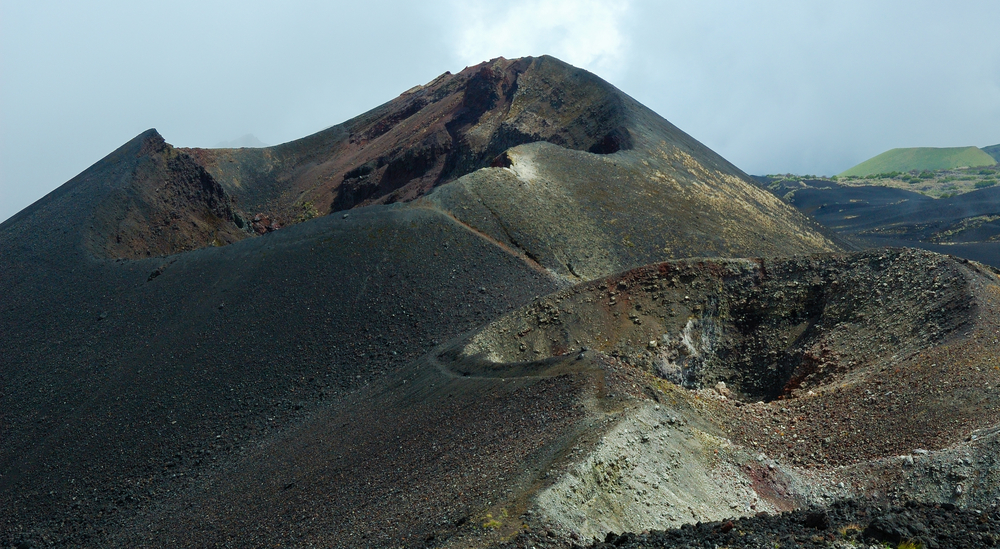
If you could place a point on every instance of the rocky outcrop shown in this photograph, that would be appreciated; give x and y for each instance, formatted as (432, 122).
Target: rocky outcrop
(549, 159)
(430, 135)
(765, 329)
(168, 203)
(765, 385)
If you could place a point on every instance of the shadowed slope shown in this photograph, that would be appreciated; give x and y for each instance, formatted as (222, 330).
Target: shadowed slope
(124, 381)
(144, 199)
(171, 204)
(421, 457)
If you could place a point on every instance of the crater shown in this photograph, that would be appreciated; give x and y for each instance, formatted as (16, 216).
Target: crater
(765, 328)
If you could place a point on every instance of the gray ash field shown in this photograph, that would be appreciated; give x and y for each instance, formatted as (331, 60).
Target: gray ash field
(966, 225)
(373, 338)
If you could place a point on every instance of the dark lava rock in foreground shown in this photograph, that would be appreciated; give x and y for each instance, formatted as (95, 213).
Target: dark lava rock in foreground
(845, 524)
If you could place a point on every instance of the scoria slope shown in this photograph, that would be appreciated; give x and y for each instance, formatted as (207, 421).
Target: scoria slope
(687, 391)
(764, 386)
(263, 378)
(598, 151)
(429, 135)
(124, 382)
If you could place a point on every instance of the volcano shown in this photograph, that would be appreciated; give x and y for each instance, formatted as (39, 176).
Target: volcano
(502, 300)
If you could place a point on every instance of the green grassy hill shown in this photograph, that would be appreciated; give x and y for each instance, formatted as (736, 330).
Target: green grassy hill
(922, 158)
(994, 151)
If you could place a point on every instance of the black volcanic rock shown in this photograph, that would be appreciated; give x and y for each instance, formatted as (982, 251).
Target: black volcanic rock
(967, 225)
(252, 382)
(853, 522)
(168, 204)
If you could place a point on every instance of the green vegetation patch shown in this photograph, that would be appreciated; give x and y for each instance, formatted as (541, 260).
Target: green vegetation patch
(935, 184)
(921, 159)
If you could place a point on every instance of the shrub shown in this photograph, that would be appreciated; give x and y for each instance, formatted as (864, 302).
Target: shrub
(308, 212)
(985, 183)
(926, 175)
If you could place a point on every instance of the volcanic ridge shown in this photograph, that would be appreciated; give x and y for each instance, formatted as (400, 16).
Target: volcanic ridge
(511, 307)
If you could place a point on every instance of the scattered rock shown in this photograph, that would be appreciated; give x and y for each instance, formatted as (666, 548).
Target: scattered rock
(262, 224)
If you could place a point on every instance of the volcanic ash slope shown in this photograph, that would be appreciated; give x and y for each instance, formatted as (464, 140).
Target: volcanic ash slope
(538, 155)
(740, 386)
(196, 352)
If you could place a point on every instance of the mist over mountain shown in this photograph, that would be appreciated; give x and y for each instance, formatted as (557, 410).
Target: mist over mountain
(249, 140)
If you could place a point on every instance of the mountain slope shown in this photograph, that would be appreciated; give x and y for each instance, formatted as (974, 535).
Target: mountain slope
(124, 381)
(452, 128)
(921, 158)
(994, 151)
(582, 215)
(269, 368)
(966, 225)
(429, 135)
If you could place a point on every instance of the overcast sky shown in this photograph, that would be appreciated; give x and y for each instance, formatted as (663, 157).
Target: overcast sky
(794, 86)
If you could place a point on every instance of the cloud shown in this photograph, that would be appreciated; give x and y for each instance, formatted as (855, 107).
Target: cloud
(587, 33)
(812, 87)
(773, 86)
